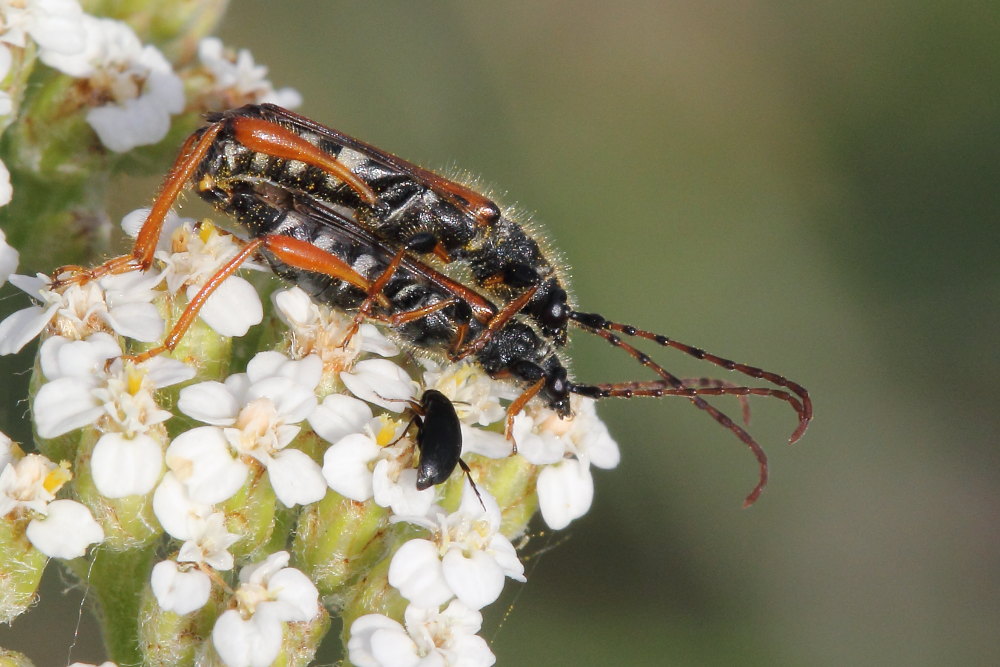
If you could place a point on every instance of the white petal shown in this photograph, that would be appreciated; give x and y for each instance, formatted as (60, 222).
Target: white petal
(265, 364)
(66, 532)
(163, 371)
(6, 453)
(539, 448)
(179, 591)
(374, 341)
(20, 328)
(338, 416)
(293, 401)
(472, 651)
(126, 466)
(258, 573)
(247, 643)
(175, 510)
(375, 635)
(8, 255)
(232, 308)
(479, 506)
(295, 478)
(298, 595)
(139, 321)
(294, 304)
(133, 221)
(62, 357)
(345, 466)
(504, 553)
(31, 285)
(397, 649)
(601, 448)
(565, 491)
(64, 405)
(402, 495)
(306, 371)
(485, 443)
(477, 580)
(381, 382)
(416, 572)
(202, 461)
(210, 402)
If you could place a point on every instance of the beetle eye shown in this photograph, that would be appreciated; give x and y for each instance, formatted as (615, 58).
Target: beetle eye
(555, 312)
(557, 384)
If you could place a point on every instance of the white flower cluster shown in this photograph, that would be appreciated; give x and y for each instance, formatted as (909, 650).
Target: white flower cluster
(133, 89)
(253, 427)
(28, 487)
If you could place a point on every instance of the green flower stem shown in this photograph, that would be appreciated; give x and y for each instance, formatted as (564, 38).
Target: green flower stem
(21, 567)
(116, 580)
(166, 638)
(337, 539)
(251, 515)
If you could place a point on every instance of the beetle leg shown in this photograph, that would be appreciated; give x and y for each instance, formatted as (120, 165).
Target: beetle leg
(296, 253)
(375, 291)
(270, 138)
(515, 408)
(495, 324)
(191, 154)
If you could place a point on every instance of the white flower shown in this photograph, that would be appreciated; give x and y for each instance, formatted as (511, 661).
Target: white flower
(7, 450)
(253, 414)
(568, 447)
(431, 638)
(238, 80)
(193, 254)
(381, 382)
(317, 329)
(126, 466)
(475, 394)
(118, 399)
(66, 531)
(55, 25)
(59, 528)
(209, 543)
(142, 86)
(177, 513)
(180, 588)
(117, 303)
(363, 465)
(8, 256)
(6, 194)
(467, 557)
(30, 483)
(269, 595)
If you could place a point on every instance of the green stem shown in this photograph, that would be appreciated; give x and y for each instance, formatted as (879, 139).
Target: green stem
(116, 579)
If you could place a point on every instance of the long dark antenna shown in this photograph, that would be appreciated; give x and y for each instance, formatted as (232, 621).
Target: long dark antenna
(671, 385)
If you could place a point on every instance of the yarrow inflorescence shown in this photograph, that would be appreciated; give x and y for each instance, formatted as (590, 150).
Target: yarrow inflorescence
(264, 472)
(306, 448)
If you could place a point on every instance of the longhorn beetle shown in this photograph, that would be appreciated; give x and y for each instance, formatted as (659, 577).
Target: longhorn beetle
(443, 265)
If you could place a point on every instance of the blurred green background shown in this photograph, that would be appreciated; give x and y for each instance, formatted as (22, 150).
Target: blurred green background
(809, 187)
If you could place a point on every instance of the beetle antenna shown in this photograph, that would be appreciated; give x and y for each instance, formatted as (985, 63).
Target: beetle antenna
(800, 402)
(468, 476)
(671, 385)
